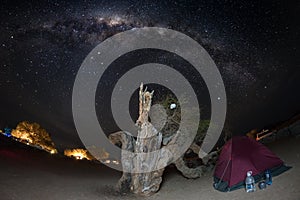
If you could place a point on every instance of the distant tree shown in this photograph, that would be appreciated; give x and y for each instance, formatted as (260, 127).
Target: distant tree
(34, 134)
(79, 154)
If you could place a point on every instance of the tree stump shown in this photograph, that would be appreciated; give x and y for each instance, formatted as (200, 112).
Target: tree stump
(148, 140)
(147, 168)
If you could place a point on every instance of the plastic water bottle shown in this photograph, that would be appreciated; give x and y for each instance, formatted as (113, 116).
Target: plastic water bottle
(250, 183)
(268, 177)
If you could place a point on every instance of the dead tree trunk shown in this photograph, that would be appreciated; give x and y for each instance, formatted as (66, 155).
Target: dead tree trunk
(144, 178)
(148, 140)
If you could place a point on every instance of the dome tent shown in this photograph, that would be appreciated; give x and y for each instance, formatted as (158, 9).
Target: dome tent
(239, 155)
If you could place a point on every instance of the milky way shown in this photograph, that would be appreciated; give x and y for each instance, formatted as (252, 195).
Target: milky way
(254, 45)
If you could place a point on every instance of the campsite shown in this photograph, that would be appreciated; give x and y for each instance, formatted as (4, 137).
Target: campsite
(149, 100)
(42, 173)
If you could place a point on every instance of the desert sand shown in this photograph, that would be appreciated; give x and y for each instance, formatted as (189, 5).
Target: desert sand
(29, 174)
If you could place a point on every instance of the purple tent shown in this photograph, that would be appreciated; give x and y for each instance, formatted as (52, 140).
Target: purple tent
(239, 155)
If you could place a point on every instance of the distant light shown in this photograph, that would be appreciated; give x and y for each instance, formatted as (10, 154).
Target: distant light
(52, 151)
(172, 106)
(115, 162)
(107, 161)
(7, 134)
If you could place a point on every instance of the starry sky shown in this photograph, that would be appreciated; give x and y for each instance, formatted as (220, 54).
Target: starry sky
(255, 45)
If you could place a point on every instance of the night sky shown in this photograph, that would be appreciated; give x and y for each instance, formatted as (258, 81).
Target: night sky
(255, 45)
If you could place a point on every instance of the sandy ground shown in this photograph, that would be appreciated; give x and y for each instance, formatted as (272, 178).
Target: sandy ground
(34, 175)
